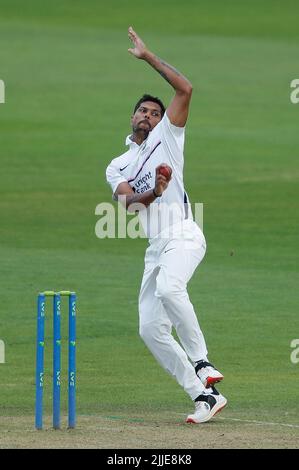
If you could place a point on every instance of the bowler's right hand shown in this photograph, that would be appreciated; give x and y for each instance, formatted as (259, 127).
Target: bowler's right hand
(161, 182)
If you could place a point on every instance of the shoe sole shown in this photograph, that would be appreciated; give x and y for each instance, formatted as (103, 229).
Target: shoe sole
(210, 381)
(216, 409)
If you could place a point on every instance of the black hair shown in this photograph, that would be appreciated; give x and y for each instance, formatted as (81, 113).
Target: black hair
(154, 99)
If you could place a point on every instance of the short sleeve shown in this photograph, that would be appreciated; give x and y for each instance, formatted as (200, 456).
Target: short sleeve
(174, 139)
(175, 130)
(113, 176)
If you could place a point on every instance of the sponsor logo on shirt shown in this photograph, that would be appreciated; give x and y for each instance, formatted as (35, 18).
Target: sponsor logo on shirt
(144, 183)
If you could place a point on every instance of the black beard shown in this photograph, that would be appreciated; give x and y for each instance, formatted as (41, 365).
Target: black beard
(142, 129)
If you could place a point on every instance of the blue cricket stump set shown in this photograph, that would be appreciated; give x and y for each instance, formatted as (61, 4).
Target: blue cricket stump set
(40, 344)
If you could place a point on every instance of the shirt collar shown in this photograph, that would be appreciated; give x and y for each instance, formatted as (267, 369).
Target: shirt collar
(130, 142)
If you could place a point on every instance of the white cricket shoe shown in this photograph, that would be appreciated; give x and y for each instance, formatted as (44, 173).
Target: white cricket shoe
(206, 406)
(207, 373)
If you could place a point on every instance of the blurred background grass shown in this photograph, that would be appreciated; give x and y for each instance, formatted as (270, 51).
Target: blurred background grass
(70, 90)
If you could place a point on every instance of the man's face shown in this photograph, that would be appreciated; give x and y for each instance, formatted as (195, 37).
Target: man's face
(146, 117)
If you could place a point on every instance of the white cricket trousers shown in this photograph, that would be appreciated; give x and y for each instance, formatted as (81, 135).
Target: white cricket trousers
(164, 303)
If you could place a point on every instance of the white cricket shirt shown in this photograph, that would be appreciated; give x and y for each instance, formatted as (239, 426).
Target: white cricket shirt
(137, 166)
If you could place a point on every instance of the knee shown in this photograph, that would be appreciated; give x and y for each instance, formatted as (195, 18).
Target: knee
(154, 332)
(167, 288)
(148, 332)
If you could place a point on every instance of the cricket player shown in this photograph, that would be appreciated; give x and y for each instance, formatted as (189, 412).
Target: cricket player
(149, 179)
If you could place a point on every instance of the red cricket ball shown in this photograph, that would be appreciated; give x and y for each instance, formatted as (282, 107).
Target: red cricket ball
(165, 171)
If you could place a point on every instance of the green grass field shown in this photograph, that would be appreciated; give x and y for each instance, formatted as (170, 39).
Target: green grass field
(70, 89)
